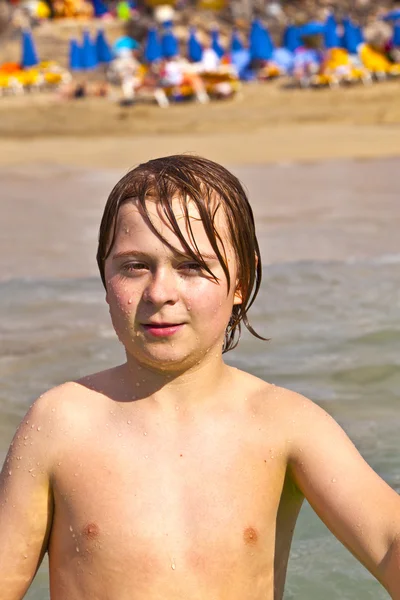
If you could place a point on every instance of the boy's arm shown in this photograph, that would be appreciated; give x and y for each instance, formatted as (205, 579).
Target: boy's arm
(26, 504)
(360, 509)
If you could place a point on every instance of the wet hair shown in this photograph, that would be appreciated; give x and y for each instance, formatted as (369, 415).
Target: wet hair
(209, 186)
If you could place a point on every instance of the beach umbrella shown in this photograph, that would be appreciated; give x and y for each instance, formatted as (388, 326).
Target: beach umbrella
(312, 28)
(396, 35)
(152, 48)
(331, 37)
(236, 42)
(169, 44)
(215, 44)
(261, 46)
(392, 15)
(89, 54)
(29, 55)
(103, 49)
(241, 61)
(352, 36)
(100, 8)
(125, 43)
(194, 48)
(75, 55)
(291, 38)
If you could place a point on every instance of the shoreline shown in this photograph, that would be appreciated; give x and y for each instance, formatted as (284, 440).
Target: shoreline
(268, 145)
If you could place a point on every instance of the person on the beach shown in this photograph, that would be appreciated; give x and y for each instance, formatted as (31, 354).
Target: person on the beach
(174, 475)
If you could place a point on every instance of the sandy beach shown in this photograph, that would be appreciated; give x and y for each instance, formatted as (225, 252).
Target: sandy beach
(264, 124)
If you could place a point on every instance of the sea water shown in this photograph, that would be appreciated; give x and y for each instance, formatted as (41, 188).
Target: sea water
(329, 302)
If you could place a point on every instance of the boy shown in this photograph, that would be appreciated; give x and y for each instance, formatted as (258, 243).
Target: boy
(175, 476)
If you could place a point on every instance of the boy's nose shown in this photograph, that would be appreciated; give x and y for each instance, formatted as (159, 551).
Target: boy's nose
(162, 288)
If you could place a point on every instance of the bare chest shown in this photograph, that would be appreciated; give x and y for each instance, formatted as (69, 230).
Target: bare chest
(162, 501)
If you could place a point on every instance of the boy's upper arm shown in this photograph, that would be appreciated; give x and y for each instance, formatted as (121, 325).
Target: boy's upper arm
(360, 509)
(26, 504)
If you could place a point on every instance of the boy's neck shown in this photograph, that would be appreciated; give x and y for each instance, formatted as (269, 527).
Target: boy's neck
(173, 388)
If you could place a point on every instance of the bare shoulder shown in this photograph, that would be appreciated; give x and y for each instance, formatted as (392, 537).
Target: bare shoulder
(299, 418)
(266, 396)
(68, 404)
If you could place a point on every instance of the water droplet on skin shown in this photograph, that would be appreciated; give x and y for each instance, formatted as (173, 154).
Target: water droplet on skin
(25, 556)
(129, 422)
(77, 549)
(39, 428)
(70, 528)
(130, 301)
(173, 566)
(333, 480)
(9, 472)
(120, 435)
(146, 456)
(53, 410)
(145, 433)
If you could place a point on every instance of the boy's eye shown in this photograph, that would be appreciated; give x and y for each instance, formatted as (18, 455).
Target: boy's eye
(134, 266)
(193, 266)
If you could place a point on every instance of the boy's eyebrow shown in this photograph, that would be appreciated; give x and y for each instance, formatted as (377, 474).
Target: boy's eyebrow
(125, 253)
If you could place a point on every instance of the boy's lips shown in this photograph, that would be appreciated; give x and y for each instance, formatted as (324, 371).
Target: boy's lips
(162, 329)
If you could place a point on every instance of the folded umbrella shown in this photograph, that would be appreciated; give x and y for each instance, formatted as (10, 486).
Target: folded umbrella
(29, 54)
(152, 49)
(195, 49)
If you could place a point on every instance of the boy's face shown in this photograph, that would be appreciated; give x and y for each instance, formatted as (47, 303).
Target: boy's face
(168, 313)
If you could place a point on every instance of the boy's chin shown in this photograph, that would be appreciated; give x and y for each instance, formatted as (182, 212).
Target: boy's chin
(171, 360)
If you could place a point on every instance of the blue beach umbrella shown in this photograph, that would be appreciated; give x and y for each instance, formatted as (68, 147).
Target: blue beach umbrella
(312, 28)
(194, 48)
(169, 44)
(216, 46)
(396, 35)
(236, 42)
(352, 36)
(29, 54)
(261, 46)
(241, 61)
(89, 54)
(331, 37)
(75, 55)
(103, 49)
(291, 38)
(125, 43)
(100, 8)
(152, 49)
(392, 15)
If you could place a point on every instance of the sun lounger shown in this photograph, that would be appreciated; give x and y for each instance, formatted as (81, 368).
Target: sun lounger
(377, 63)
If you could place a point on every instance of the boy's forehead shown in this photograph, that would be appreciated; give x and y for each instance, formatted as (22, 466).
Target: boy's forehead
(184, 210)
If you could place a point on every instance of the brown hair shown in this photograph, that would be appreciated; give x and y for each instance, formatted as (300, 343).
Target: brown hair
(208, 185)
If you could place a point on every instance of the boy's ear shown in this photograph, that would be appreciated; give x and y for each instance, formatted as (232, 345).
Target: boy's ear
(238, 296)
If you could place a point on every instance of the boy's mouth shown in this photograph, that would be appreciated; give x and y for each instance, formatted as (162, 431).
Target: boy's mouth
(162, 329)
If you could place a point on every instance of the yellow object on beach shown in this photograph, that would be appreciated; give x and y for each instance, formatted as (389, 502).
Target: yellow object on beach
(211, 4)
(377, 62)
(42, 10)
(338, 63)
